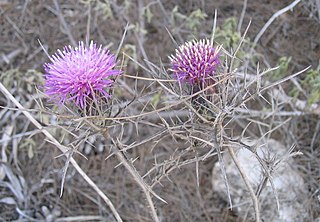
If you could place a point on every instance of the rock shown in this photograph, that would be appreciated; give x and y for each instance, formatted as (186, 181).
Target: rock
(288, 183)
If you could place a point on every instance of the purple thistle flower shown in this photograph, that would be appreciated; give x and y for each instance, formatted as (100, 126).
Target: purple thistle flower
(80, 74)
(195, 61)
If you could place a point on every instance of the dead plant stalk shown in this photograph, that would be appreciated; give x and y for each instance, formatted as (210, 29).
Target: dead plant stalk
(136, 176)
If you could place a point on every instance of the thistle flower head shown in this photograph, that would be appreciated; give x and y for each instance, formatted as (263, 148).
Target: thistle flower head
(80, 74)
(195, 61)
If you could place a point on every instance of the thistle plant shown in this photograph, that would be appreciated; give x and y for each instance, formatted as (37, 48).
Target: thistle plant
(195, 62)
(213, 102)
(81, 75)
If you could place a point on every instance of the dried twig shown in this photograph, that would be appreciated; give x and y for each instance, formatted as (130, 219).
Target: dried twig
(63, 23)
(301, 105)
(243, 12)
(273, 17)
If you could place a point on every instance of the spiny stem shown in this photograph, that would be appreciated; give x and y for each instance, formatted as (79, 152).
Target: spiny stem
(246, 181)
(136, 176)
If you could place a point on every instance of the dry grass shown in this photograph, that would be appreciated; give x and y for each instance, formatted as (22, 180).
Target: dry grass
(167, 137)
